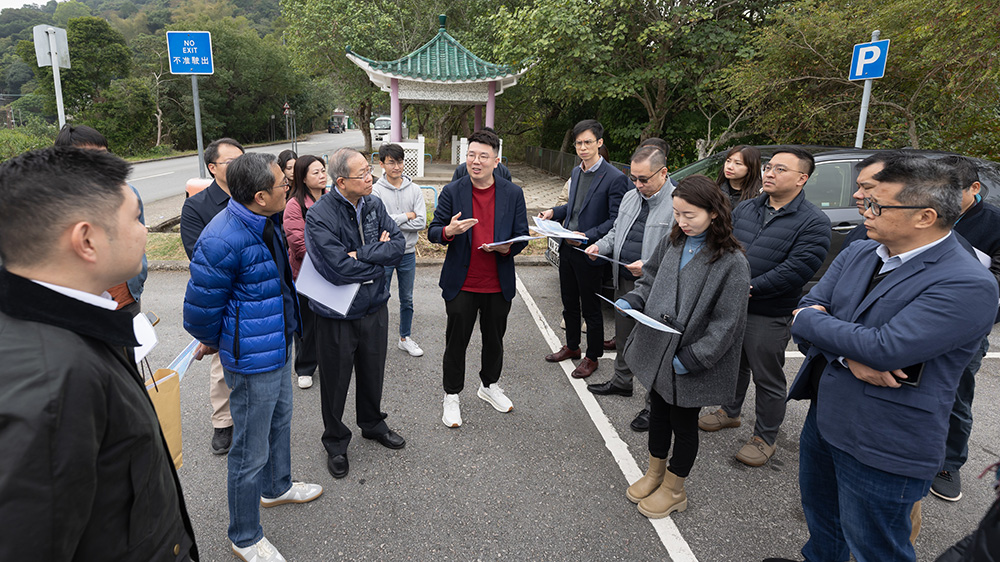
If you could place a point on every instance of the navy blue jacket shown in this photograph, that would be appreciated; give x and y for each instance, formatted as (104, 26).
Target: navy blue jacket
(600, 206)
(928, 310)
(198, 211)
(234, 300)
(784, 254)
(510, 219)
(332, 231)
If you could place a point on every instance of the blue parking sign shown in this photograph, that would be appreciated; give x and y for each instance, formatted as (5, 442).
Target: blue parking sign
(190, 52)
(868, 62)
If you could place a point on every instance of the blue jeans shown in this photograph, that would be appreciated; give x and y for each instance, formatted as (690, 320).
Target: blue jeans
(956, 447)
(406, 271)
(260, 460)
(851, 507)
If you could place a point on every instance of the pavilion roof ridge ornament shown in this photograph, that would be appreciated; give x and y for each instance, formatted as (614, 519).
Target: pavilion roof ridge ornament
(442, 59)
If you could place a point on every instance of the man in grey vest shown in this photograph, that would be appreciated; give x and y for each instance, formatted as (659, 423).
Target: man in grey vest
(644, 217)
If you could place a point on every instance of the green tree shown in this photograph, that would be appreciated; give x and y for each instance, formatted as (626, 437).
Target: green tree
(659, 54)
(98, 54)
(939, 90)
(125, 113)
(69, 10)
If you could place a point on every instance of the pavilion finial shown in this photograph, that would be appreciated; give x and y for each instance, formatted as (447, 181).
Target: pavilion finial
(441, 21)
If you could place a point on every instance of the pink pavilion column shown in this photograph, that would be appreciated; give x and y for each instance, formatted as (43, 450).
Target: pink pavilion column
(491, 103)
(396, 132)
(479, 118)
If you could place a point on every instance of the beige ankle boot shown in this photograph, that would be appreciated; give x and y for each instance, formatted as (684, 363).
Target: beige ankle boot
(649, 482)
(668, 498)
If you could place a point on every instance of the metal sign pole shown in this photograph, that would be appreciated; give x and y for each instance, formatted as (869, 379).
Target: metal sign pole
(197, 125)
(51, 32)
(865, 100)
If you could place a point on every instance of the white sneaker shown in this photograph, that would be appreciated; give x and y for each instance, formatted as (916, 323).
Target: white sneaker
(495, 396)
(300, 492)
(408, 345)
(305, 382)
(263, 551)
(452, 414)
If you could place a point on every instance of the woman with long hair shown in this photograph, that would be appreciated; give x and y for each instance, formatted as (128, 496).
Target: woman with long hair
(697, 282)
(740, 177)
(286, 161)
(308, 185)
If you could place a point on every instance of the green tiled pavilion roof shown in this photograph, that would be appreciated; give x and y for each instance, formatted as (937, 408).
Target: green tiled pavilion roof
(442, 59)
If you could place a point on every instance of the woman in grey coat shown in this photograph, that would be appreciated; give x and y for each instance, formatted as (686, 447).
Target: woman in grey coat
(698, 282)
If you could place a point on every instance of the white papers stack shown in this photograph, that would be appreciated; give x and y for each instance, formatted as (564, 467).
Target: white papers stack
(553, 229)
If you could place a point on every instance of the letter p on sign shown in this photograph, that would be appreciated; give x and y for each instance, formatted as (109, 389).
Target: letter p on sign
(869, 60)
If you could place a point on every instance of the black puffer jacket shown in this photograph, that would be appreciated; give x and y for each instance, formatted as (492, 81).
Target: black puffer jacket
(784, 254)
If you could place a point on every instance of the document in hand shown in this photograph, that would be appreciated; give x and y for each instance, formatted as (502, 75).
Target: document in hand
(607, 258)
(553, 229)
(316, 287)
(524, 238)
(642, 318)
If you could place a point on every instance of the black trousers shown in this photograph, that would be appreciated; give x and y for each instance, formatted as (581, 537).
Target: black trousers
(666, 421)
(305, 346)
(579, 284)
(492, 310)
(358, 345)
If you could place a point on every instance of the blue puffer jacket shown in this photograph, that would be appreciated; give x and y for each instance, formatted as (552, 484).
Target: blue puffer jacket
(784, 255)
(332, 232)
(233, 300)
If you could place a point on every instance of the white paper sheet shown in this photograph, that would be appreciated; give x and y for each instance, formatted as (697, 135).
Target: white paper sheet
(524, 238)
(313, 285)
(145, 334)
(599, 256)
(642, 318)
(184, 359)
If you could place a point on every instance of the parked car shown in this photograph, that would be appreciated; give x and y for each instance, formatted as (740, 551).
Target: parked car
(381, 127)
(831, 185)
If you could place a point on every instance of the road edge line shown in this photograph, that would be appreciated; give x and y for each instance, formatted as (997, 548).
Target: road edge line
(677, 548)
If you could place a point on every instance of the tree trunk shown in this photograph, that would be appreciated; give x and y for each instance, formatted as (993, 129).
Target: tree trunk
(363, 115)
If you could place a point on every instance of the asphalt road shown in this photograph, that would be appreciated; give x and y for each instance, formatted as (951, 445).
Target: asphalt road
(544, 482)
(160, 179)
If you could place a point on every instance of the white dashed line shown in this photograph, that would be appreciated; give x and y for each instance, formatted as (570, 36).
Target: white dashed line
(670, 535)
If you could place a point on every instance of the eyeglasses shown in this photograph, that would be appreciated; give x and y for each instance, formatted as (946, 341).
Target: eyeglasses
(644, 181)
(223, 162)
(478, 157)
(583, 143)
(282, 186)
(779, 169)
(390, 163)
(876, 209)
(366, 174)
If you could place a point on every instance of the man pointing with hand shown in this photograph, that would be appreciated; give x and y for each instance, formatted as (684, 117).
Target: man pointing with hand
(477, 279)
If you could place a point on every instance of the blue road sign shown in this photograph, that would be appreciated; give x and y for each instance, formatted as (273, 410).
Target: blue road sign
(190, 52)
(868, 62)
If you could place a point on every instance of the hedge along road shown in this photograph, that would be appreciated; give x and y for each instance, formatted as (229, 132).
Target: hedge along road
(159, 179)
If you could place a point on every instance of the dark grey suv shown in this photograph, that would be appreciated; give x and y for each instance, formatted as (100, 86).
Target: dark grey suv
(832, 183)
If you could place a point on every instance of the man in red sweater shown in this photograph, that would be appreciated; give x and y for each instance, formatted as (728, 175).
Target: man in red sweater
(477, 279)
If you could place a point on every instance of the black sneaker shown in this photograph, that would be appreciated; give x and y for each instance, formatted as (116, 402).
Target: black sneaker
(947, 485)
(222, 439)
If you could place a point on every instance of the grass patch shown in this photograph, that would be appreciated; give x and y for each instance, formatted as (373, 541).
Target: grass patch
(165, 246)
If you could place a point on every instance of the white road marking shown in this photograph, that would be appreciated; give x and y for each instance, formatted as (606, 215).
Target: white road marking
(670, 535)
(152, 176)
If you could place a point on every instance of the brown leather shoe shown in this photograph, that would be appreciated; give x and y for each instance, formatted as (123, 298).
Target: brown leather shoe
(586, 368)
(609, 345)
(563, 354)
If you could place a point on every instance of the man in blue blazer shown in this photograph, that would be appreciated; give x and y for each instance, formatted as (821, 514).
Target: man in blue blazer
(889, 329)
(477, 278)
(596, 189)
